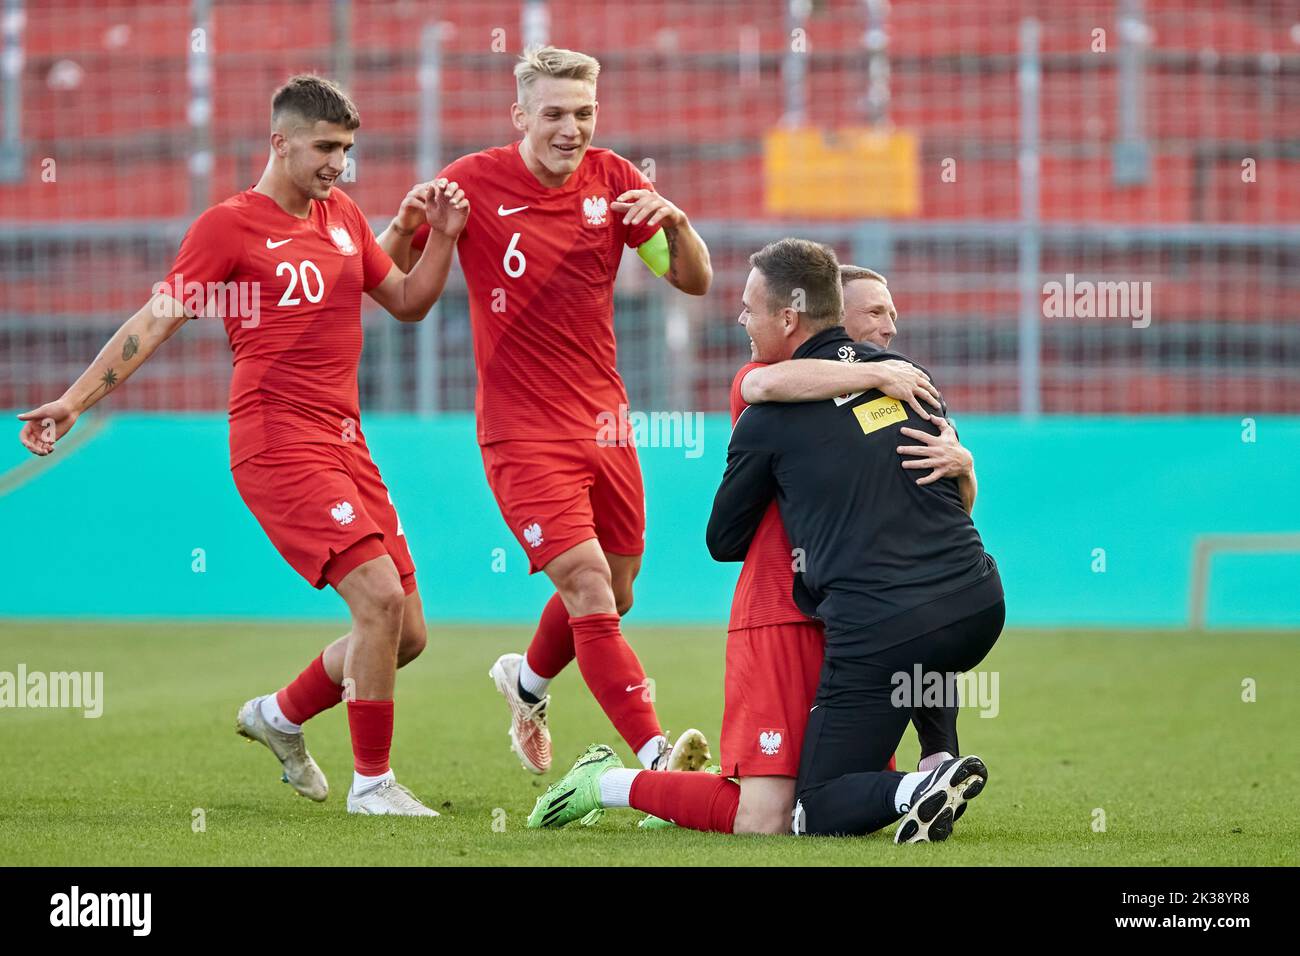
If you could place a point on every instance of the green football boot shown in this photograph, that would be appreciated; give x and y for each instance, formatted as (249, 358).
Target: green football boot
(577, 793)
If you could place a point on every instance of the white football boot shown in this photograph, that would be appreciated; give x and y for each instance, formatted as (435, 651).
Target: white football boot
(300, 771)
(690, 753)
(530, 738)
(390, 798)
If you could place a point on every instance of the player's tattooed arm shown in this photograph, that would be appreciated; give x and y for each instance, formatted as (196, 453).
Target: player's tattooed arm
(816, 380)
(125, 352)
(689, 268)
(106, 383)
(128, 349)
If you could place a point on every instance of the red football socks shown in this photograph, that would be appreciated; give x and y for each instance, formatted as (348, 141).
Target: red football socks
(615, 678)
(371, 723)
(552, 646)
(309, 694)
(697, 801)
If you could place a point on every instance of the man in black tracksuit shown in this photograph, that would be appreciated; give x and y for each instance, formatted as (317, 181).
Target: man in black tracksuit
(896, 571)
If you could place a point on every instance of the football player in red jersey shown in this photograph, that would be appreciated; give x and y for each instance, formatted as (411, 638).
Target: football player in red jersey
(769, 639)
(774, 651)
(540, 260)
(284, 264)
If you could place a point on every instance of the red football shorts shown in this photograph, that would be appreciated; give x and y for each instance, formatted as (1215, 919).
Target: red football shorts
(325, 509)
(555, 494)
(771, 681)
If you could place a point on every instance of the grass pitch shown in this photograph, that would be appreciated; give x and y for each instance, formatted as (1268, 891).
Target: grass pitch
(1146, 732)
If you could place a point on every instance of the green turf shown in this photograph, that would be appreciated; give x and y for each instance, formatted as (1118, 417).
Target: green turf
(1150, 728)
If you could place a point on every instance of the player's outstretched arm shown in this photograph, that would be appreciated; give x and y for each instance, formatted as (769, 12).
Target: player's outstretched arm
(396, 239)
(125, 352)
(944, 456)
(816, 380)
(409, 296)
(689, 268)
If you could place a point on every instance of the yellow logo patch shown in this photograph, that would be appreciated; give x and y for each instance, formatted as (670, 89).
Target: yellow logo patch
(875, 415)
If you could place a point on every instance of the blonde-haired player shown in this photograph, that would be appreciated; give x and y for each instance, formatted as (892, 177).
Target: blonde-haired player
(540, 258)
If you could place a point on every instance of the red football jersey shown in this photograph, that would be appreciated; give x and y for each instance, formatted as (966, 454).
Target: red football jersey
(292, 313)
(540, 265)
(764, 589)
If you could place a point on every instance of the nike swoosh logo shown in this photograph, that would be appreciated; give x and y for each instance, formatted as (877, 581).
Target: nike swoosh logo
(503, 211)
(276, 245)
(632, 687)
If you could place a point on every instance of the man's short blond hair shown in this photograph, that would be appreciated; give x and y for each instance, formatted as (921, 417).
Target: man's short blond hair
(552, 61)
(850, 273)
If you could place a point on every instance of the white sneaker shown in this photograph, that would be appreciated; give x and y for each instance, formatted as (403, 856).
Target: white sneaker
(300, 771)
(530, 738)
(690, 753)
(390, 798)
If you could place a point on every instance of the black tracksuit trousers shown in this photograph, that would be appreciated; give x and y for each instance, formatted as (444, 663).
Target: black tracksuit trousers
(855, 724)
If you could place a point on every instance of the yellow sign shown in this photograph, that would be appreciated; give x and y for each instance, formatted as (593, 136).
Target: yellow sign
(847, 173)
(876, 414)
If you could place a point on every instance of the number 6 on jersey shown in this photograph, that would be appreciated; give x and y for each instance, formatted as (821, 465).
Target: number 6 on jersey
(513, 255)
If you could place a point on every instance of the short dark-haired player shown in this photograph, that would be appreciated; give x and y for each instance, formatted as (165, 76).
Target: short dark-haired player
(774, 650)
(302, 253)
(895, 569)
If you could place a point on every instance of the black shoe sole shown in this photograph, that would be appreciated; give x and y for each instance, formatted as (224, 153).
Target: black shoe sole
(931, 820)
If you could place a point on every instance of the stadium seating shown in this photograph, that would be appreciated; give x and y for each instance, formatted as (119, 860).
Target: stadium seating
(105, 94)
